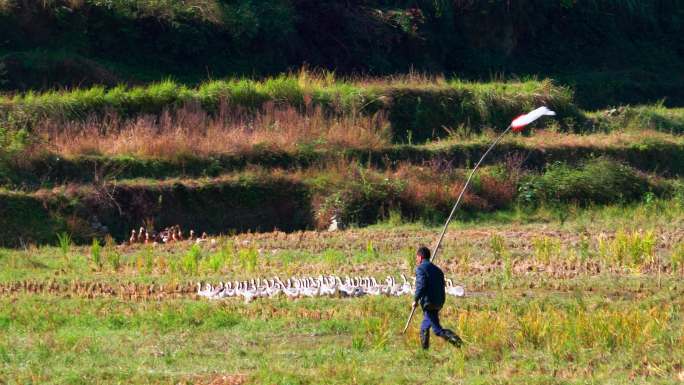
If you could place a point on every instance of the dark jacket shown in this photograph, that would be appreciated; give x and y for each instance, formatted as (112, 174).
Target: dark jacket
(429, 286)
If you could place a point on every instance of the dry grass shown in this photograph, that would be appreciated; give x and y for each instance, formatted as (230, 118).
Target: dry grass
(549, 138)
(192, 131)
(435, 184)
(309, 78)
(438, 183)
(546, 138)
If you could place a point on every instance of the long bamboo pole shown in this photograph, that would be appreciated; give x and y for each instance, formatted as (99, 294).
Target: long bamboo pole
(435, 250)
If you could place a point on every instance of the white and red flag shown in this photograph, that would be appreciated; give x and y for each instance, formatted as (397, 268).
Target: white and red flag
(523, 120)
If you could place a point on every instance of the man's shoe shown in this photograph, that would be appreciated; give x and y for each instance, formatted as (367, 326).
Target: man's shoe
(425, 339)
(452, 338)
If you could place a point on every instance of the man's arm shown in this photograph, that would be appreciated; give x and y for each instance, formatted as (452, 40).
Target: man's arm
(421, 284)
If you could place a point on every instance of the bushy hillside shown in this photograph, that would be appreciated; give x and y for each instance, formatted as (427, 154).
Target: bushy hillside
(611, 51)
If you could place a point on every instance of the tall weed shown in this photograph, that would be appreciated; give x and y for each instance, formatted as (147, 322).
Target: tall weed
(112, 254)
(546, 249)
(96, 253)
(677, 258)
(633, 249)
(64, 242)
(191, 260)
(248, 259)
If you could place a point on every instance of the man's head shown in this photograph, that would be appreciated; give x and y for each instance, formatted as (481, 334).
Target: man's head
(423, 253)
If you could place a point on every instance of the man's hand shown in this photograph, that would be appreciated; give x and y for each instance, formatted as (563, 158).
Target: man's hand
(415, 305)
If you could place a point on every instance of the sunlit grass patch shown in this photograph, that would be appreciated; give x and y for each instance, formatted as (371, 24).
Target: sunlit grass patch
(266, 341)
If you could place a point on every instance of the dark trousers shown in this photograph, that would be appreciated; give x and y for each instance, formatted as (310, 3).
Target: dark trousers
(431, 320)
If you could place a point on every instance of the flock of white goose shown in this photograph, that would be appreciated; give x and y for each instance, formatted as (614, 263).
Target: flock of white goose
(321, 286)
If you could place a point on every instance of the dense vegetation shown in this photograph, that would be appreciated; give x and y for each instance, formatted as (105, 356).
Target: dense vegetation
(611, 51)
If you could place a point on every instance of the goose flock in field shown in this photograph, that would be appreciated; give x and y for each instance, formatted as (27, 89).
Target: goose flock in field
(168, 235)
(321, 286)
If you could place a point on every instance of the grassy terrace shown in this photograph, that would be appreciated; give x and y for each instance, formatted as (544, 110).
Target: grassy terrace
(71, 161)
(362, 148)
(264, 199)
(412, 104)
(548, 303)
(310, 119)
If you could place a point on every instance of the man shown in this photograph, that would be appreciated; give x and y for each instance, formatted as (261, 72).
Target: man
(430, 295)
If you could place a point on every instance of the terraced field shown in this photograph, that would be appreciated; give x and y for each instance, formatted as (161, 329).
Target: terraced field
(569, 243)
(149, 148)
(291, 151)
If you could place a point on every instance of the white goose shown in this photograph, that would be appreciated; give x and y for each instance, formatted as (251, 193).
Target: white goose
(215, 292)
(450, 289)
(227, 291)
(372, 288)
(310, 289)
(405, 287)
(329, 287)
(290, 290)
(249, 293)
(206, 292)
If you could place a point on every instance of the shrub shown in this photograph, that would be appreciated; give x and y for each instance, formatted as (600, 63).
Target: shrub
(363, 200)
(599, 180)
(12, 142)
(497, 192)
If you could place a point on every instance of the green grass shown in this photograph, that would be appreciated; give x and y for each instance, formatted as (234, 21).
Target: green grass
(541, 340)
(654, 117)
(559, 323)
(483, 103)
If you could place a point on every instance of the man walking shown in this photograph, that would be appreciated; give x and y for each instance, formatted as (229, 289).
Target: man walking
(430, 295)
